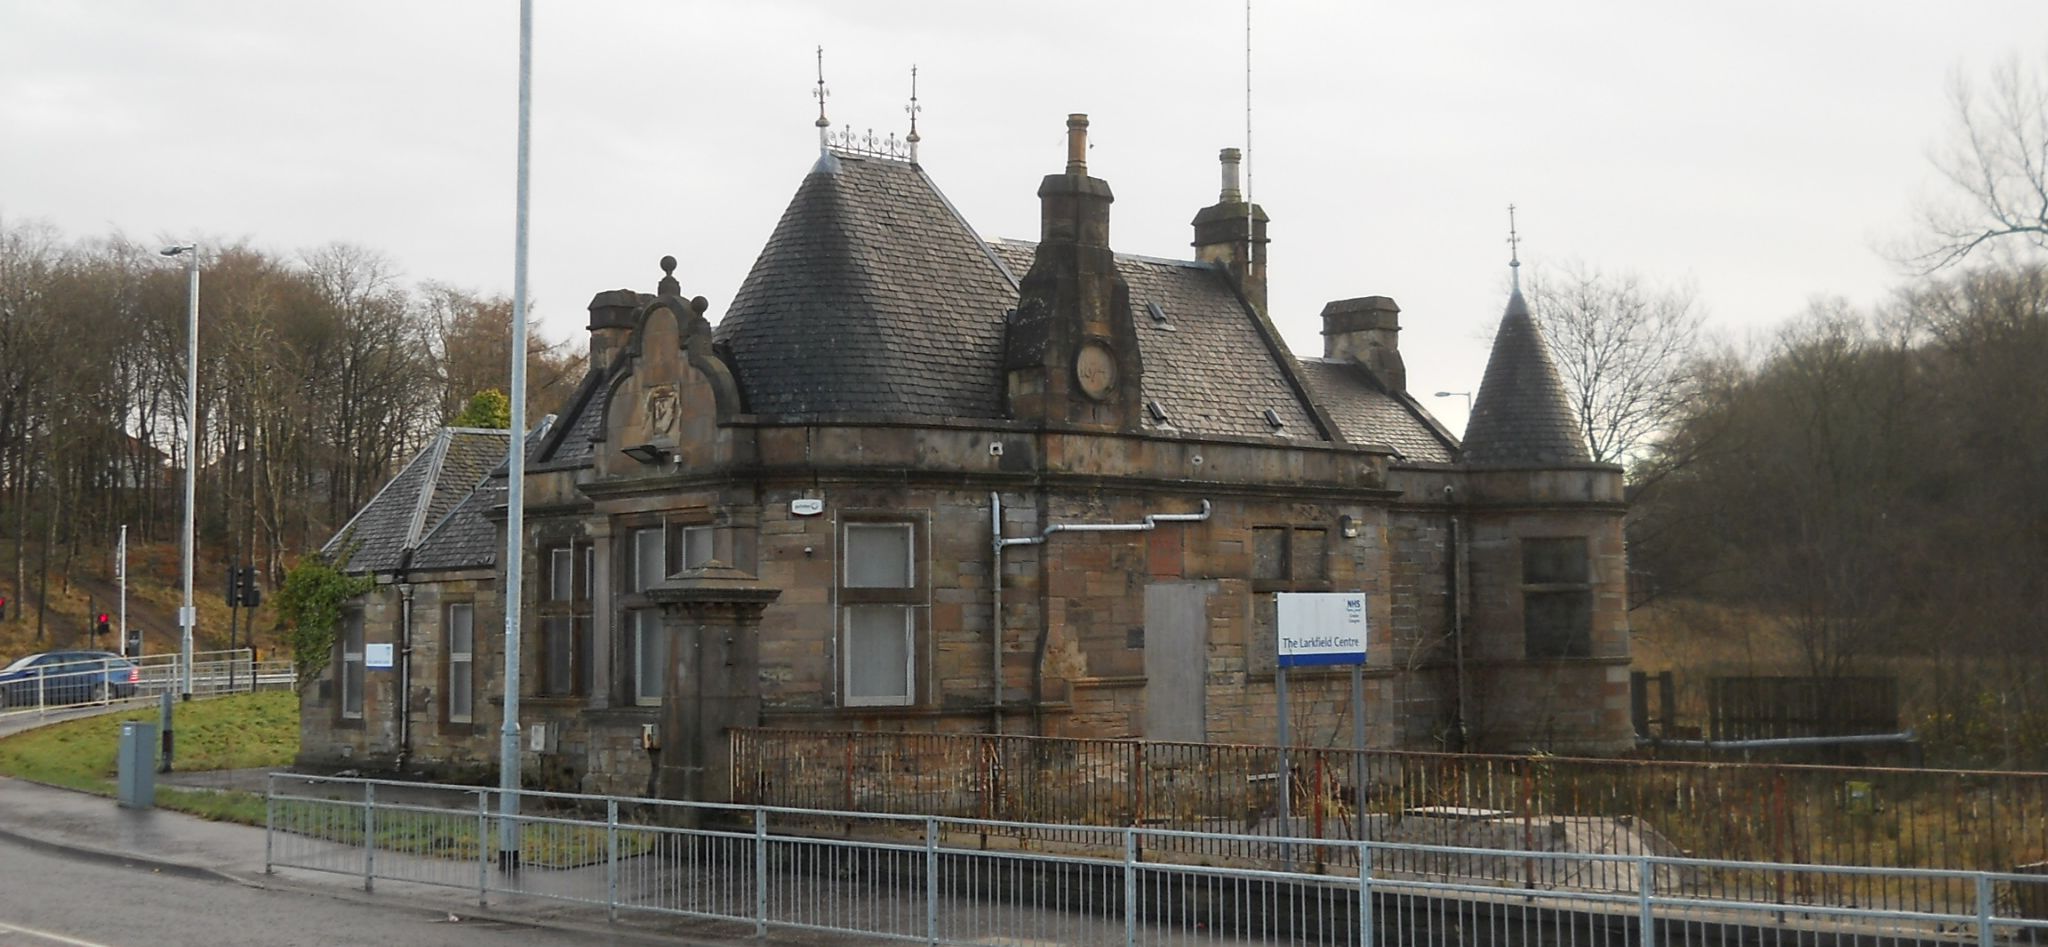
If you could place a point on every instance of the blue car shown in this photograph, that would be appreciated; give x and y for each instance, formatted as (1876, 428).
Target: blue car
(67, 677)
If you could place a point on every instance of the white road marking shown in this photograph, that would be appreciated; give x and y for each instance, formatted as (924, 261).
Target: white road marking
(46, 935)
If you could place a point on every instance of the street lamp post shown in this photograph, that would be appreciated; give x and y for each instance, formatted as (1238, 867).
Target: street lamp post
(187, 616)
(1458, 394)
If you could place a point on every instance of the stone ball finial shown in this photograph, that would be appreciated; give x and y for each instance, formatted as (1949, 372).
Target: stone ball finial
(699, 304)
(669, 286)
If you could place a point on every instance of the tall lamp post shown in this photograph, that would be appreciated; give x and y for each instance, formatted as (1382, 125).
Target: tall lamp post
(187, 616)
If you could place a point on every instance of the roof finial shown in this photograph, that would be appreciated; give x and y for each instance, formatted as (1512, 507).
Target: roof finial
(823, 123)
(1514, 250)
(913, 108)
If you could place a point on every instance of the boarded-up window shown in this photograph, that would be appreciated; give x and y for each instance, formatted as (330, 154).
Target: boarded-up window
(1289, 557)
(879, 617)
(564, 613)
(1269, 552)
(1557, 598)
(649, 558)
(1308, 555)
(694, 544)
(650, 657)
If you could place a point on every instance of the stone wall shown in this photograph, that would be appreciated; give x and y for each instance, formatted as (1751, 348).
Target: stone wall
(1074, 625)
(438, 746)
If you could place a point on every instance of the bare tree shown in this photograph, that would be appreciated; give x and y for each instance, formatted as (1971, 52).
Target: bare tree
(1622, 346)
(1996, 165)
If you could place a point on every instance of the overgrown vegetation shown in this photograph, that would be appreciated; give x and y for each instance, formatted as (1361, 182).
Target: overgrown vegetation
(310, 606)
(1870, 489)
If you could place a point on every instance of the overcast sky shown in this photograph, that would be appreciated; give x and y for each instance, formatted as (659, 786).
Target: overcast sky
(1765, 151)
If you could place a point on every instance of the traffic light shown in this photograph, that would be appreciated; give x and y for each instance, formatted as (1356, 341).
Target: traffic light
(242, 589)
(100, 625)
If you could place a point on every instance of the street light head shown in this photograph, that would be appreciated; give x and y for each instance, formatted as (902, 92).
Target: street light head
(174, 251)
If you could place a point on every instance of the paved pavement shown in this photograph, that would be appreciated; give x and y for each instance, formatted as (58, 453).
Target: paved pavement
(81, 826)
(61, 899)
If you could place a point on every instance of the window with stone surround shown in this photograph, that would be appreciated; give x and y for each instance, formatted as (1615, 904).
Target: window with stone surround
(879, 600)
(459, 627)
(349, 670)
(1290, 558)
(565, 646)
(655, 553)
(1557, 598)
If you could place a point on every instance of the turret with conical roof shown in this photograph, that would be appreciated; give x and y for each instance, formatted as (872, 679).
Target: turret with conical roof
(1522, 416)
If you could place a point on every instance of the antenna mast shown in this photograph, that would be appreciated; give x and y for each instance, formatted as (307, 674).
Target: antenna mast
(1247, 101)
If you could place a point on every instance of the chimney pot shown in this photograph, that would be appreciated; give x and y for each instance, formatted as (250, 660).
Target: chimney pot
(1077, 143)
(1233, 189)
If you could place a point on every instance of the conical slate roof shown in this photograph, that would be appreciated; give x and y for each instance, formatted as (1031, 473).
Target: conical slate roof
(1522, 416)
(872, 298)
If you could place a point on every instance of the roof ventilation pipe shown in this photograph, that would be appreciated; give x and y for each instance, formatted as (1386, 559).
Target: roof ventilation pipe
(998, 543)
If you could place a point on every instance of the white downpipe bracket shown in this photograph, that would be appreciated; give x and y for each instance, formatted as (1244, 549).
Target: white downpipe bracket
(999, 542)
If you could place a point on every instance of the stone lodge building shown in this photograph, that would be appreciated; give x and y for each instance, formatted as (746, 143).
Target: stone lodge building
(916, 480)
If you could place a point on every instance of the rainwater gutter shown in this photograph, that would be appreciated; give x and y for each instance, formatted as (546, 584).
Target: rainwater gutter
(999, 542)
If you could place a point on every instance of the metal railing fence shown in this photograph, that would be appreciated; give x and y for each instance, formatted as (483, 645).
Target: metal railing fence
(1737, 813)
(43, 688)
(756, 869)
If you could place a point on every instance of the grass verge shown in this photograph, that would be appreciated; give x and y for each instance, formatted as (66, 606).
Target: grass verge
(240, 731)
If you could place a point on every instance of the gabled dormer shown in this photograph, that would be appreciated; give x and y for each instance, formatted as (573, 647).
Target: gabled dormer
(669, 391)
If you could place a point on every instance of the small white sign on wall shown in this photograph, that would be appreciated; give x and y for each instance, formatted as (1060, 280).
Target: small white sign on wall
(378, 657)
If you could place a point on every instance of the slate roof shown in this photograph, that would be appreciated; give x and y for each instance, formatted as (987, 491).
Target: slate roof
(1210, 365)
(466, 538)
(1367, 414)
(426, 490)
(1521, 415)
(573, 443)
(872, 297)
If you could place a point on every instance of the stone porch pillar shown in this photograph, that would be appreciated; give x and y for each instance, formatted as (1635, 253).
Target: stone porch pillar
(711, 615)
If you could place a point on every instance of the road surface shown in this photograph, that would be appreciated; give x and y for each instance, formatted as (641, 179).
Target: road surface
(51, 899)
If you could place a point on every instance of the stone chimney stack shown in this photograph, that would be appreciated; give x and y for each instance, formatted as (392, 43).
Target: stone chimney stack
(1070, 347)
(612, 316)
(1232, 232)
(1366, 331)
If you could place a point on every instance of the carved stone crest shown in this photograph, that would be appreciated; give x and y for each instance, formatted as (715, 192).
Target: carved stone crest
(661, 409)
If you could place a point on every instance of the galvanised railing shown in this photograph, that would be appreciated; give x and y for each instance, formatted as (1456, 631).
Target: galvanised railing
(766, 870)
(46, 687)
(1229, 795)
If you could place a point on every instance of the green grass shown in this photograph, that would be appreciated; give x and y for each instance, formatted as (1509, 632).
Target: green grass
(242, 731)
